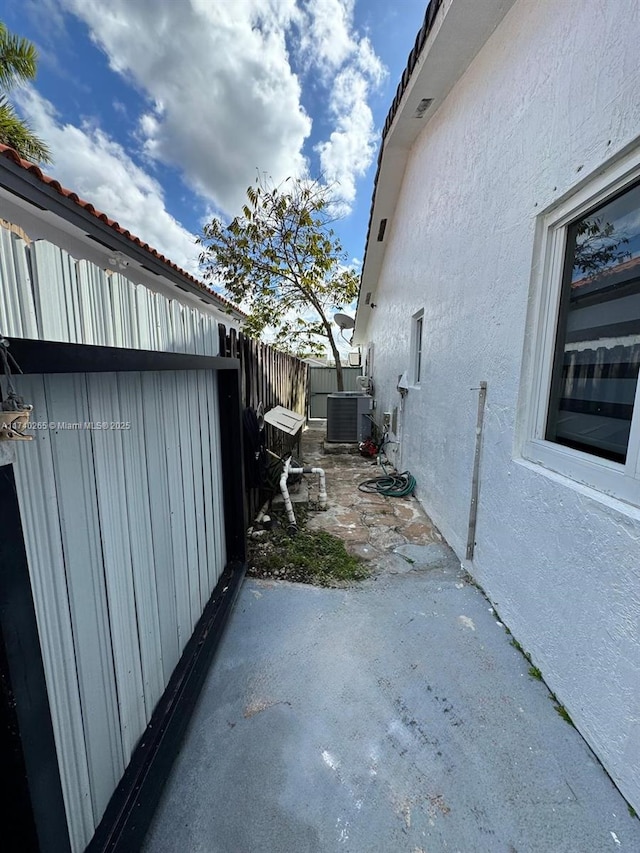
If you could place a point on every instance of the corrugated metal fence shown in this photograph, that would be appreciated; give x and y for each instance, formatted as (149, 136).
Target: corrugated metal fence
(124, 535)
(45, 293)
(322, 382)
(121, 501)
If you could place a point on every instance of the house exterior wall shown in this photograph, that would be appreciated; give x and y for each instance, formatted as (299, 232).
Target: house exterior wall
(551, 97)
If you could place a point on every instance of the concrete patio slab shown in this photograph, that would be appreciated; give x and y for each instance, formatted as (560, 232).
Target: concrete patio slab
(424, 556)
(393, 715)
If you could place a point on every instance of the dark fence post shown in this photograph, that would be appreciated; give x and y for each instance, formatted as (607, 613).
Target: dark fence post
(222, 340)
(33, 796)
(233, 343)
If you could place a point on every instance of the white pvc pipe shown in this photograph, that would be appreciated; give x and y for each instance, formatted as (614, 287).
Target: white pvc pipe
(262, 513)
(322, 497)
(286, 470)
(285, 491)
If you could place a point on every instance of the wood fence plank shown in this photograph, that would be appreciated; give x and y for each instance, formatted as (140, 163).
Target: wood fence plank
(267, 376)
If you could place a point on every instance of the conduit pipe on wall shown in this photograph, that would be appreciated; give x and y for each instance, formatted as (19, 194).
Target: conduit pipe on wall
(286, 470)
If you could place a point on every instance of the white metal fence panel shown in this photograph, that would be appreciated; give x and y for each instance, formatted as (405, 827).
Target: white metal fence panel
(112, 492)
(78, 514)
(158, 437)
(47, 294)
(17, 310)
(43, 536)
(323, 381)
(52, 286)
(143, 550)
(125, 539)
(216, 539)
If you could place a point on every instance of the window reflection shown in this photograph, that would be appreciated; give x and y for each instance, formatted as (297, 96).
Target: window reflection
(598, 343)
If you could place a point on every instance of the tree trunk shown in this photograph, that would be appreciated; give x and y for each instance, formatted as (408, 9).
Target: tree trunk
(336, 356)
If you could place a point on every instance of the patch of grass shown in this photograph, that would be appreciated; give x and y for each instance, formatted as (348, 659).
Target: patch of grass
(516, 645)
(560, 709)
(534, 672)
(632, 811)
(314, 557)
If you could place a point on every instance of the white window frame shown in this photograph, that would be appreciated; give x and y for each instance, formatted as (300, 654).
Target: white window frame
(612, 478)
(417, 348)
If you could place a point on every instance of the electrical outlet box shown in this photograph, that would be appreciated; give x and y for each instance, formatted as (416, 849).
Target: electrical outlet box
(386, 419)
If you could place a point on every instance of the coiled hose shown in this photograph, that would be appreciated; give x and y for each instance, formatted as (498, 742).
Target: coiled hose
(391, 485)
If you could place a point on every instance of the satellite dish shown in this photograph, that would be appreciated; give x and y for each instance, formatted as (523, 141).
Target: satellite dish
(344, 321)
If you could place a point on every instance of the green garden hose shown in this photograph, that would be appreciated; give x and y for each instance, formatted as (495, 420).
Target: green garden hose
(391, 485)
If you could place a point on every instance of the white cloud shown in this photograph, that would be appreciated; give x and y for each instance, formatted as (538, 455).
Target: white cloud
(226, 99)
(222, 100)
(349, 150)
(356, 72)
(326, 38)
(98, 169)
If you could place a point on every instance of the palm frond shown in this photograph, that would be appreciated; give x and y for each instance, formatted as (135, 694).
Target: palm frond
(18, 59)
(16, 133)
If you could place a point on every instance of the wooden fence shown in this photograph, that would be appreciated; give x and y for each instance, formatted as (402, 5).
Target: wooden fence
(270, 377)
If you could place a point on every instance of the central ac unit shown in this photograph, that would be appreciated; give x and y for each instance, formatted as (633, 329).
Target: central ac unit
(349, 416)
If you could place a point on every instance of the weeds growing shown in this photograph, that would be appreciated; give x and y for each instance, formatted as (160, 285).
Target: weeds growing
(314, 557)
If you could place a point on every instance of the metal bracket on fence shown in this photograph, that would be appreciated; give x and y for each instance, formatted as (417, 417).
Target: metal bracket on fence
(14, 412)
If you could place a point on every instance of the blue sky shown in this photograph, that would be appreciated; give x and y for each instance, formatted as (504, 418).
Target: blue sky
(161, 111)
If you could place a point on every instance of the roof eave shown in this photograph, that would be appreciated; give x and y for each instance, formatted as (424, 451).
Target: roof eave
(452, 34)
(29, 187)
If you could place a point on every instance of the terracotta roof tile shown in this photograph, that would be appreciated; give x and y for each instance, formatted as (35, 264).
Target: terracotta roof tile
(12, 155)
(430, 15)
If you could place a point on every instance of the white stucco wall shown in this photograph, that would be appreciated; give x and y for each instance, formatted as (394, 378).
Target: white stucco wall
(550, 98)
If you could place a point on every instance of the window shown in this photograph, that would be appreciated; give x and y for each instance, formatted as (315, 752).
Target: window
(597, 351)
(416, 347)
(586, 415)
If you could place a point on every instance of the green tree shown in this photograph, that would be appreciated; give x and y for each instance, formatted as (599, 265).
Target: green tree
(282, 259)
(18, 64)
